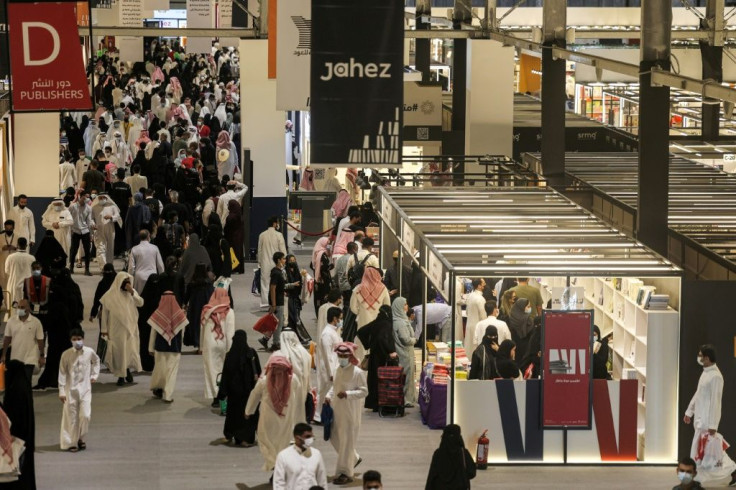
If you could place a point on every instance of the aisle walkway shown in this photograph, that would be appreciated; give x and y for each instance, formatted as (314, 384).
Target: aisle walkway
(139, 442)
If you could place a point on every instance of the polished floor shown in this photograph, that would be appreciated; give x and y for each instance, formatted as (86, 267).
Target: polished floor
(138, 442)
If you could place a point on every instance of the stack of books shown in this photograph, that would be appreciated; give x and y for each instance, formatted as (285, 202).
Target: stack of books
(658, 302)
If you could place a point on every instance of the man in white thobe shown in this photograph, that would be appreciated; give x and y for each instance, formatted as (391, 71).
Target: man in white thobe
(334, 300)
(438, 314)
(326, 358)
(300, 466)
(23, 217)
(105, 214)
(235, 191)
(145, 259)
(17, 268)
(704, 411)
(67, 175)
(8, 245)
(480, 329)
(58, 219)
(475, 309)
(346, 398)
(269, 242)
(78, 369)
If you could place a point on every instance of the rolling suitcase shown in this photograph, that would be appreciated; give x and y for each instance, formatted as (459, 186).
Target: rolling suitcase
(391, 391)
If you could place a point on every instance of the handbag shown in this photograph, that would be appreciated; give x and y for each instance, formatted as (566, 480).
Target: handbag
(102, 348)
(365, 362)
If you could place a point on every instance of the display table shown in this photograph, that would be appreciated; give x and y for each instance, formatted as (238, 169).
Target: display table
(432, 402)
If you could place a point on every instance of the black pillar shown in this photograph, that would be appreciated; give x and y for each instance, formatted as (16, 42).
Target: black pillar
(712, 61)
(553, 115)
(423, 47)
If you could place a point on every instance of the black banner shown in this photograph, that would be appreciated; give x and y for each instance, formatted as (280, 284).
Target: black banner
(357, 83)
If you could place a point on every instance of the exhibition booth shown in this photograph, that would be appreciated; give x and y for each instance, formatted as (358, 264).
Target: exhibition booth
(588, 274)
(616, 104)
(702, 204)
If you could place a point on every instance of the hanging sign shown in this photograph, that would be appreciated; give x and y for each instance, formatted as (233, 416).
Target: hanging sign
(199, 15)
(293, 48)
(46, 60)
(357, 83)
(567, 367)
(422, 111)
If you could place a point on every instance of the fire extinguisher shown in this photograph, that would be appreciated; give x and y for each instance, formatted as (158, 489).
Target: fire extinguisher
(481, 456)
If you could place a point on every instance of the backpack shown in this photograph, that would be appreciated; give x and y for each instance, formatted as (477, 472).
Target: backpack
(355, 274)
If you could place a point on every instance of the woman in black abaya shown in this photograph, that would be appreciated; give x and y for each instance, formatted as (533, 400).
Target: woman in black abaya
(378, 335)
(452, 466)
(18, 405)
(58, 335)
(197, 295)
(151, 295)
(239, 375)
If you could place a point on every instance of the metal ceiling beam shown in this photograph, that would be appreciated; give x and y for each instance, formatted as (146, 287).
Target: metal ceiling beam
(167, 32)
(704, 88)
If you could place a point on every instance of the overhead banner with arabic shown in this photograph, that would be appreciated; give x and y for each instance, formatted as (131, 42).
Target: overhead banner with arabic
(293, 49)
(46, 60)
(357, 74)
(567, 369)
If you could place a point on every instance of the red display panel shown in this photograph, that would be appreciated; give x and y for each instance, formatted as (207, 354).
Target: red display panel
(567, 369)
(46, 63)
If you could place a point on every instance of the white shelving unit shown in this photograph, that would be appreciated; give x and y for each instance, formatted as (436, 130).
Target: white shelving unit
(635, 330)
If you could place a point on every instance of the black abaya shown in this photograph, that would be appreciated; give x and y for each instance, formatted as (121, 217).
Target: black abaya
(58, 337)
(198, 295)
(151, 295)
(239, 375)
(379, 338)
(18, 405)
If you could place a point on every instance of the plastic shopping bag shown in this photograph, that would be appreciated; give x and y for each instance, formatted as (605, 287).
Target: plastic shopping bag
(266, 324)
(307, 288)
(710, 451)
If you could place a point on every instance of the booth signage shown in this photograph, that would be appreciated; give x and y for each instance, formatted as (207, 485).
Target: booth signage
(293, 54)
(422, 111)
(46, 61)
(357, 83)
(408, 236)
(435, 272)
(567, 369)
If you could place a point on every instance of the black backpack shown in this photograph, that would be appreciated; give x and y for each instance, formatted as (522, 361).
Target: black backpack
(355, 274)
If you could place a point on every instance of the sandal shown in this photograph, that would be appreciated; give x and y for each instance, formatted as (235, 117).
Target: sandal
(73, 449)
(82, 445)
(342, 480)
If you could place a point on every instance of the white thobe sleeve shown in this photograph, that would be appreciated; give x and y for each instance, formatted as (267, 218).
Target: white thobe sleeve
(137, 300)
(63, 373)
(255, 397)
(279, 473)
(131, 263)
(31, 229)
(151, 340)
(361, 391)
(321, 475)
(95, 365)
(159, 262)
(714, 403)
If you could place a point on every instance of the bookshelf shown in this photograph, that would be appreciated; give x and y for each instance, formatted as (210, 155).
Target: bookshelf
(645, 347)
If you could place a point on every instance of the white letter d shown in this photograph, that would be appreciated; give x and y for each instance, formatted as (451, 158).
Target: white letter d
(27, 61)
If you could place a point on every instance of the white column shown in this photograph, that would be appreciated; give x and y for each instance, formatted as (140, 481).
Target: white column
(262, 127)
(490, 100)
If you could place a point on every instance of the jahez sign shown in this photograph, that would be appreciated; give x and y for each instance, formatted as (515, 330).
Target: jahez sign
(46, 63)
(357, 83)
(567, 369)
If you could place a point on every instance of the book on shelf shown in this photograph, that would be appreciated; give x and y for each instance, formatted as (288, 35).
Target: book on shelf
(642, 297)
(658, 302)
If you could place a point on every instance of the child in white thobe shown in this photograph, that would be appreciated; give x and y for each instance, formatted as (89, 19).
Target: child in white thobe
(78, 369)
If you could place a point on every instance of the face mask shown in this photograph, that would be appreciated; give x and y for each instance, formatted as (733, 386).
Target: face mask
(78, 344)
(63, 134)
(21, 312)
(8, 232)
(685, 477)
(339, 324)
(36, 273)
(309, 441)
(700, 360)
(58, 207)
(93, 196)
(344, 362)
(527, 310)
(595, 337)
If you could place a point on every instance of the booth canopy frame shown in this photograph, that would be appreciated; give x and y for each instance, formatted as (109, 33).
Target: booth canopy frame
(505, 232)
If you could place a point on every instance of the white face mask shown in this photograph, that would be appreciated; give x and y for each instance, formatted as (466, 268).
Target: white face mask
(21, 312)
(700, 360)
(344, 362)
(78, 344)
(685, 477)
(339, 324)
(527, 310)
(309, 441)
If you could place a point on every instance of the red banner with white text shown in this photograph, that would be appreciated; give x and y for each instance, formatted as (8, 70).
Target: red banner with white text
(567, 369)
(46, 60)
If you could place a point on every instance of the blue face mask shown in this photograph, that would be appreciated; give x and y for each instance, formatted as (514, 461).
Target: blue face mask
(36, 273)
(339, 324)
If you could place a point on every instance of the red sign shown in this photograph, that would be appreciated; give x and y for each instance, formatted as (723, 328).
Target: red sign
(46, 61)
(567, 369)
